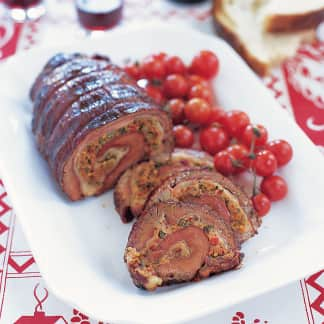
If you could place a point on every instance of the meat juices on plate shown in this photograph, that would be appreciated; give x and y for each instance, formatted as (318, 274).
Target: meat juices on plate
(92, 122)
(137, 183)
(177, 242)
(205, 187)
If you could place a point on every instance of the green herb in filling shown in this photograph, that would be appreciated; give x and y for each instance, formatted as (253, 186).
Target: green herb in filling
(183, 222)
(122, 130)
(208, 228)
(162, 234)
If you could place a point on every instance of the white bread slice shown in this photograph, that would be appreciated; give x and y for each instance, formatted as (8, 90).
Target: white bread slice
(291, 15)
(239, 22)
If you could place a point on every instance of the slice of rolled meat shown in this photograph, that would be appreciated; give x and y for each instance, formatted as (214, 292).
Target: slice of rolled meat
(137, 183)
(178, 242)
(205, 187)
(92, 122)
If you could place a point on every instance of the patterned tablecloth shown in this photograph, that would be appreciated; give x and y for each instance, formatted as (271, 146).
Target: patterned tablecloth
(299, 87)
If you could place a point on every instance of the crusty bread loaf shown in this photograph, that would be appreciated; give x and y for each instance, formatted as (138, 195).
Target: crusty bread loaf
(291, 15)
(240, 22)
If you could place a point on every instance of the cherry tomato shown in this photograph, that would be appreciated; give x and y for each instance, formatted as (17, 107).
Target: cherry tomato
(256, 133)
(261, 204)
(240, 156)
(223, 163)
(265, 163)
(205, 64)
(153, 68)
(213, 139)
(133, 70)
(282, 150)
(197, 111)
(160, 56)
(154, 93)
(176, 108)
(183, 136)
(175, 86)
(174, 64)
(235, 122)
(195, 79)
(200, 91)
(216, 115)
(274, 187)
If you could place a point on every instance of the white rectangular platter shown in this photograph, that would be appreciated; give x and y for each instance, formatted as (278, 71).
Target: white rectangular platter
(79, 246)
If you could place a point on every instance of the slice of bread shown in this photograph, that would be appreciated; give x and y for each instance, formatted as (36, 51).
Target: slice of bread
(291, 15)
(239, 22)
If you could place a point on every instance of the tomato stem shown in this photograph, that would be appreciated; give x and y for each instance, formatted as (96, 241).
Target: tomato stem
(156, 82)
(236, 163)
(256, 132)
(252, 156)
(254, 192)
(252, 147)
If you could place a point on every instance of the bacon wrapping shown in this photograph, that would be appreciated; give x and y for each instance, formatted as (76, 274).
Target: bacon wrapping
(92, 122)
(206, 187)
(137, 183)
(178, 242)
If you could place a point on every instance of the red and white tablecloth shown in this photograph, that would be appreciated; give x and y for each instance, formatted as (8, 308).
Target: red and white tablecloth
(299, 87)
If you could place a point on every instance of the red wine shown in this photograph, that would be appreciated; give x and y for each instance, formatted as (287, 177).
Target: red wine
(21, 3)
(99, 14)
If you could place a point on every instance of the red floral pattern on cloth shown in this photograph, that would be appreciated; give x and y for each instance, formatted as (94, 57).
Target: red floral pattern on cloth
(304, 75)
(314, 281)
(9, 36)
(239, 318)
(298, 86)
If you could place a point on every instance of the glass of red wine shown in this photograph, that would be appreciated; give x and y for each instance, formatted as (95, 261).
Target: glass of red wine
(21, 10)
(99, 15)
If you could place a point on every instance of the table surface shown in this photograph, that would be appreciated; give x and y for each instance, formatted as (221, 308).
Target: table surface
(299, 87)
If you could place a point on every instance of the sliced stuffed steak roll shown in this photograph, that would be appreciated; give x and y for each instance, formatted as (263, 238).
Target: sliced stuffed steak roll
(205, 187)
(137, 183)
(178, 242)
(92, 122)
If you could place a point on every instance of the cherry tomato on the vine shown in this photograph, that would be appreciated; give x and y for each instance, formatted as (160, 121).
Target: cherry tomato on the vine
(174, 64)
(274, 187)
(235, 122)
(175, 86)
(195, 79)
(160, 56)
(223, 163)
(154, 93)
(153, 68)
(216, 115)
(261, 204)
(183, 136)
(205, 64)
(133, 70)
(213, 139)
(240, 157)
(265, 163)
(256, 133)
(282, 150)
(200, 91)
(197, 111)
(176, 108)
